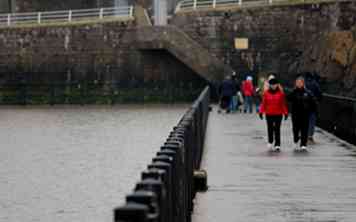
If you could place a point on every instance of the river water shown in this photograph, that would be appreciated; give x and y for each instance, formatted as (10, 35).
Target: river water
(75, 164)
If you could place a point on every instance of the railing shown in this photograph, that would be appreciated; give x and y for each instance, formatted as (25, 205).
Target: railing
(65, 16)
(203, 4)
(337, 115)
(166, 190)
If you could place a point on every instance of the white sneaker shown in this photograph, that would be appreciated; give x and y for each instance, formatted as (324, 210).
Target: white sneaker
(270, 146)
(303, 148)
(296, 146)
(297, 149)
(277, 148)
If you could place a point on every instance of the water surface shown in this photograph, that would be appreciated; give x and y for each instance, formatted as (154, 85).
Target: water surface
(75, 164)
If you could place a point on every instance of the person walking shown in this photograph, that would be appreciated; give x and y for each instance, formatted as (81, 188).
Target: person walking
(274, 107)
(234, 99)
(303, 104)
(248, 91)
(226, 91)
(259, 92)
(312, 84)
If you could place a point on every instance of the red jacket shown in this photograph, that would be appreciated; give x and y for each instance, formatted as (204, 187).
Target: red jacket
(274, 103)
(247, 88)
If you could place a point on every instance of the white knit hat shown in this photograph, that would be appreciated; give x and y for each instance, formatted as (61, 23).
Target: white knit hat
(271, 77)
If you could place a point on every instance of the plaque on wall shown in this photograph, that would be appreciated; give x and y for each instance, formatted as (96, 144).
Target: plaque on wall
(241, 43)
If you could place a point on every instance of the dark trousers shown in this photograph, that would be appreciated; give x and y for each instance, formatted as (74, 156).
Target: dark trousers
(300, 128)
(225, 102)
(274, 129)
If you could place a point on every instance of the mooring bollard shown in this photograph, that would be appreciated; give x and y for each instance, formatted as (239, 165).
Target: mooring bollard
(131, 212)
(147, 198)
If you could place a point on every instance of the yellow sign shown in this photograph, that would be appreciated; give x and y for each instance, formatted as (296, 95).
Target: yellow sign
(241, 43)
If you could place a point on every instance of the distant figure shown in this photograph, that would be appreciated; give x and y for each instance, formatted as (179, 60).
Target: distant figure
(226, 91)
(312, 84)
(303, 104)
(259, 92)
(248, 91)
(274, 107)
(234, 103)
(266, 84)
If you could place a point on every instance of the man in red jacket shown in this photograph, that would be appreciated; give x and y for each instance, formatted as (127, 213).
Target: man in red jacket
(248, 90)
(274, 106)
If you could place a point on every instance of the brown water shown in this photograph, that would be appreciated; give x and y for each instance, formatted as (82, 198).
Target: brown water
(75, 164)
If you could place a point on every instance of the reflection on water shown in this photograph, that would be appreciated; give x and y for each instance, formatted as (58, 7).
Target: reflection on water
(75, 164)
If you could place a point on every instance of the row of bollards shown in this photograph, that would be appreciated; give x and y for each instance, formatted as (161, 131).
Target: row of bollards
(166, 190)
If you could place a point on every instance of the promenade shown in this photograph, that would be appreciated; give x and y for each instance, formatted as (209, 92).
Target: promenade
(249, 184)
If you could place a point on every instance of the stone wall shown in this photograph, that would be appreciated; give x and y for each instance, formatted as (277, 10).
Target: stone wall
(333, 56)
(278, 35)
(92, 53)
(4, 6)
(45, 5)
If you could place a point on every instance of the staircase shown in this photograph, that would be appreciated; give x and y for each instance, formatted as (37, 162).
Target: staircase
(184, 48)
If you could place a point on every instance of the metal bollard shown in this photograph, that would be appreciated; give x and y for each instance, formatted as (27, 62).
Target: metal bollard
(167, 167)
(131, 212)
(149, 199)
(182, 168)
(188, 153)
(159, 189)
(177, 181)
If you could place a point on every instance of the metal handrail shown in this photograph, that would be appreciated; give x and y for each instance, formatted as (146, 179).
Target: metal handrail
(68, 15)
(167, 187)
(203, 4)
(349, 99)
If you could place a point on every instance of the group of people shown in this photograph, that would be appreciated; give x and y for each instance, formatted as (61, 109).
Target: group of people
(273, 106)
(232, 96)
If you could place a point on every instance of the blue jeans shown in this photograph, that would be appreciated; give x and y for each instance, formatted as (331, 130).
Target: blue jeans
(312, 123)
(233, 103)
(248, 104)
(257, 105)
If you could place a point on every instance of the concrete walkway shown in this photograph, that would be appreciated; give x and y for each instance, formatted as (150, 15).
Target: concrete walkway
(249, 184)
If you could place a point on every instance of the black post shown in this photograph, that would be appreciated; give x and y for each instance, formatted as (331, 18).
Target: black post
(158, 188)
(149, 199)
(131, 212)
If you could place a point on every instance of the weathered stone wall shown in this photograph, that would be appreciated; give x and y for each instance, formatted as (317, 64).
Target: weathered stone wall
(102, 52)
(48, 5)
(278, 35)
(4, 6)
(333, 56)
(45, 5)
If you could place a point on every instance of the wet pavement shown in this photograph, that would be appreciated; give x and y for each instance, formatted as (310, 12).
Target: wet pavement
(247, 183)
(75, 164)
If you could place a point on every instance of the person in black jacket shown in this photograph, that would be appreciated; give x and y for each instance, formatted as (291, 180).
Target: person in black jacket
(312, 84)
(226, 91)
(234, 100)
(303, 103)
